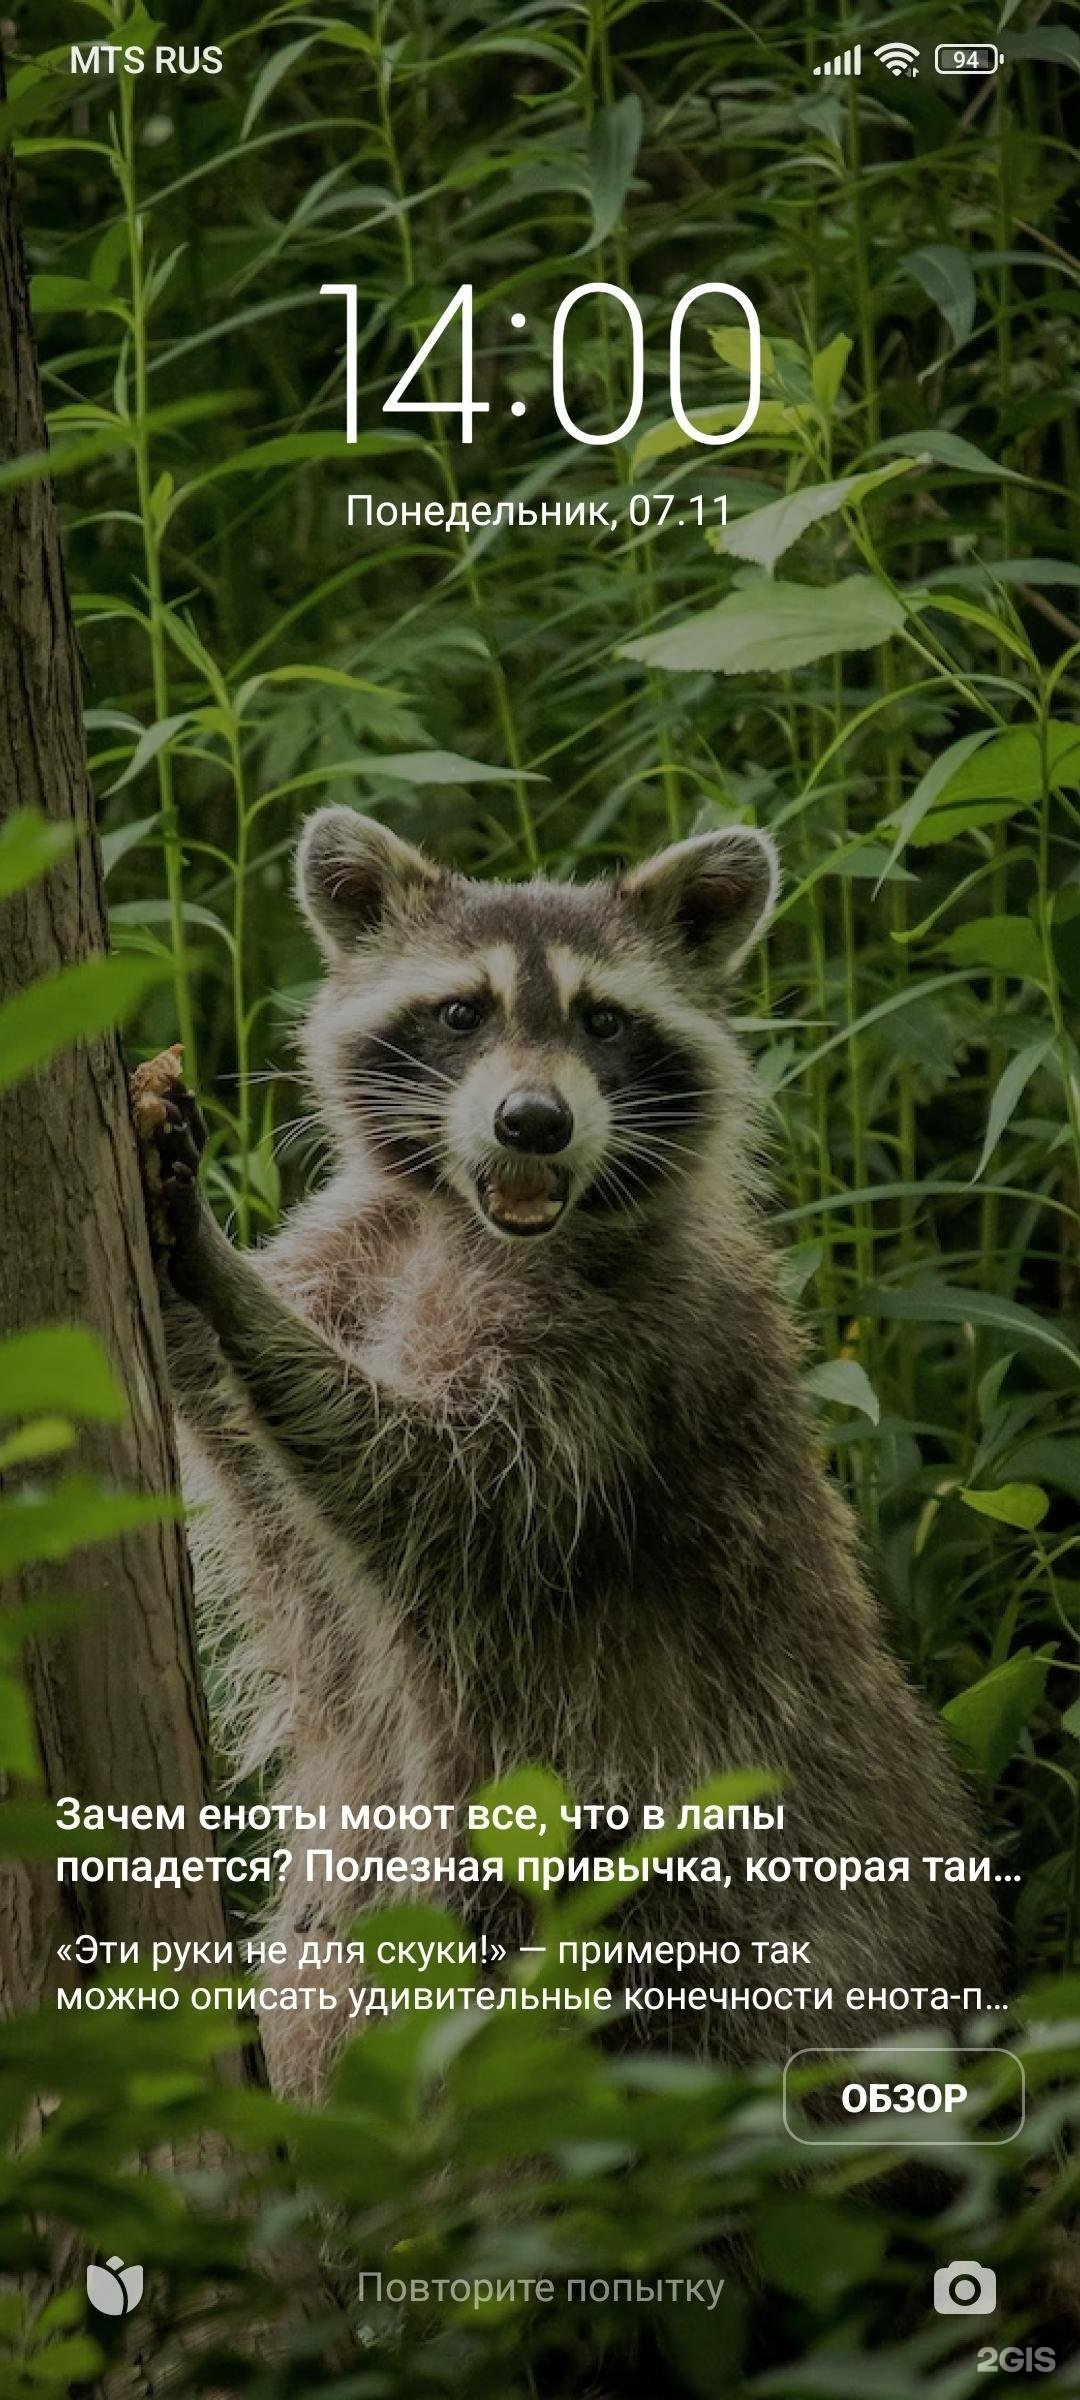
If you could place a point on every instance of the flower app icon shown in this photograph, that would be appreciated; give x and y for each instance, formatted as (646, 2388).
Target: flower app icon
(114, 2290)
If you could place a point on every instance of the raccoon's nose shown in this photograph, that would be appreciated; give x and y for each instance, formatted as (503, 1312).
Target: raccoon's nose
(537, 1121)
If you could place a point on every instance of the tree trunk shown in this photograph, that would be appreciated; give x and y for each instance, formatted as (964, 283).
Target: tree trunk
(117, 1701)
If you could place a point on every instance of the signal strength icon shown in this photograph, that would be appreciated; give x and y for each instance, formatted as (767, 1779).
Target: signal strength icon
(846, 62)
(901, 58)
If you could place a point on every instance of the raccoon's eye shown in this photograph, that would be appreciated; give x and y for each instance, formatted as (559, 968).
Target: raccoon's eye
(462, 1016)
(602, 1023)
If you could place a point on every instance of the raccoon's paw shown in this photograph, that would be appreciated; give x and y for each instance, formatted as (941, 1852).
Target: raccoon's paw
(171, 1135)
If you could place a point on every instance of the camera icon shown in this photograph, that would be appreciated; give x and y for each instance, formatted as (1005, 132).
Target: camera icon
(965, 2289)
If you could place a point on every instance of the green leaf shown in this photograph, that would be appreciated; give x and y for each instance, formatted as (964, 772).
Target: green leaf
(29, 845)
(159, 912)
(270, 75)
(827, 372)
(797, 1264)
(61, 1371)
(438, 766)
(28, 1829)
(413, 1923)
(999, 946)
(944, 273)
(51, 1523)
(350, 37)
(115, 845)
(947, 824)
(843, 1380)
(1021, 1504)
(1053, 1458)
(190, 646)
(50, 145)
(65, 458)
(775, 422)
(1065, 937)
(73, 1005)
(863, 862)
(155, 738)
(817, 2248)
(950, 450)
(62, 2366)
(614, 142)
(34, 91)
(970, 613)
(1008, 1092)
(763, 535)
(1009, 765)
(45, 1437)
(937, 779)
(947, 1304)
(772, 627)
(1033, 571)
(1057, 44)
(897, 1001)
(51, 294)
(590, 1902)
(732, 344)
(528, 1787)
(989, 1717)
(293, 449)
(336, 676)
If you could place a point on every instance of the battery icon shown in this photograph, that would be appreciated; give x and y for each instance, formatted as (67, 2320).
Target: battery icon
(967, 58)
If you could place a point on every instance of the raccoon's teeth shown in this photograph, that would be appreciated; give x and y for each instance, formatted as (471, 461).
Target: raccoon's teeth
(525, 1196)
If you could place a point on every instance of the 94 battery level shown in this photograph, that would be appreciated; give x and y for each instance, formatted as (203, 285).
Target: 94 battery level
(967, 58)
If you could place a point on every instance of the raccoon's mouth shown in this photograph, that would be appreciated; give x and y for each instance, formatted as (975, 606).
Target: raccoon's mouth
(523, 1195)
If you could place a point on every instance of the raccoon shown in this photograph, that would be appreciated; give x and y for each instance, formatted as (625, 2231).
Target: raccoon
(498, 1447)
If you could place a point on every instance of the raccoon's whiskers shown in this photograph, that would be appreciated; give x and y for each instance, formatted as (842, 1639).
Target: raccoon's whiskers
(380, 1113)
(390, 1128)
(663, 1110)
(292, 1132)
(654, 1145)
(264, 1075)
(647, 1082)
(394, 1087)
(401, 1120)
(420, 1065)
(611, 1183)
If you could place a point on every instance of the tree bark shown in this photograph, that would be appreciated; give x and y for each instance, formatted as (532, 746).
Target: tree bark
(117, 1701)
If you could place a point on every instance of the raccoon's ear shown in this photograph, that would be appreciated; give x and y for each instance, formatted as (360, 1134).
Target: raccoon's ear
(715, 893)
(353, 875)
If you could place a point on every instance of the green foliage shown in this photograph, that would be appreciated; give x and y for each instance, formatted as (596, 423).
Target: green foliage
(59, 1368)
(897, 703)
(28, 845)
(769, 627)
(81, 1000)
(988, 1718)
(633, 2167)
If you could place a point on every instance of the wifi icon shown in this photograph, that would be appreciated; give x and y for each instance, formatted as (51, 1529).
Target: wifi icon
(901, 58)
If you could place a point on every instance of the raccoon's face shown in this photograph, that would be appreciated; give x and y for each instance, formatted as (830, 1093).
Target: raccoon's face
(537, 1049)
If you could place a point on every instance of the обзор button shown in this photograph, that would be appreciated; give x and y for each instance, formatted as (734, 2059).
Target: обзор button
(918, 2094)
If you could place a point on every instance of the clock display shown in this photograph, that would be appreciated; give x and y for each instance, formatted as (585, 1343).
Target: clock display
(412, 395)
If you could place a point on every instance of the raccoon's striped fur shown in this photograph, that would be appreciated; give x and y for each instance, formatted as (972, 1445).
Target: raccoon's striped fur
(501, 1443)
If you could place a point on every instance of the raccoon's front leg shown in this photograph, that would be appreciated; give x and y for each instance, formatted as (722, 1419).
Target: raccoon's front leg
(171, 1135)
(361, 1454)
